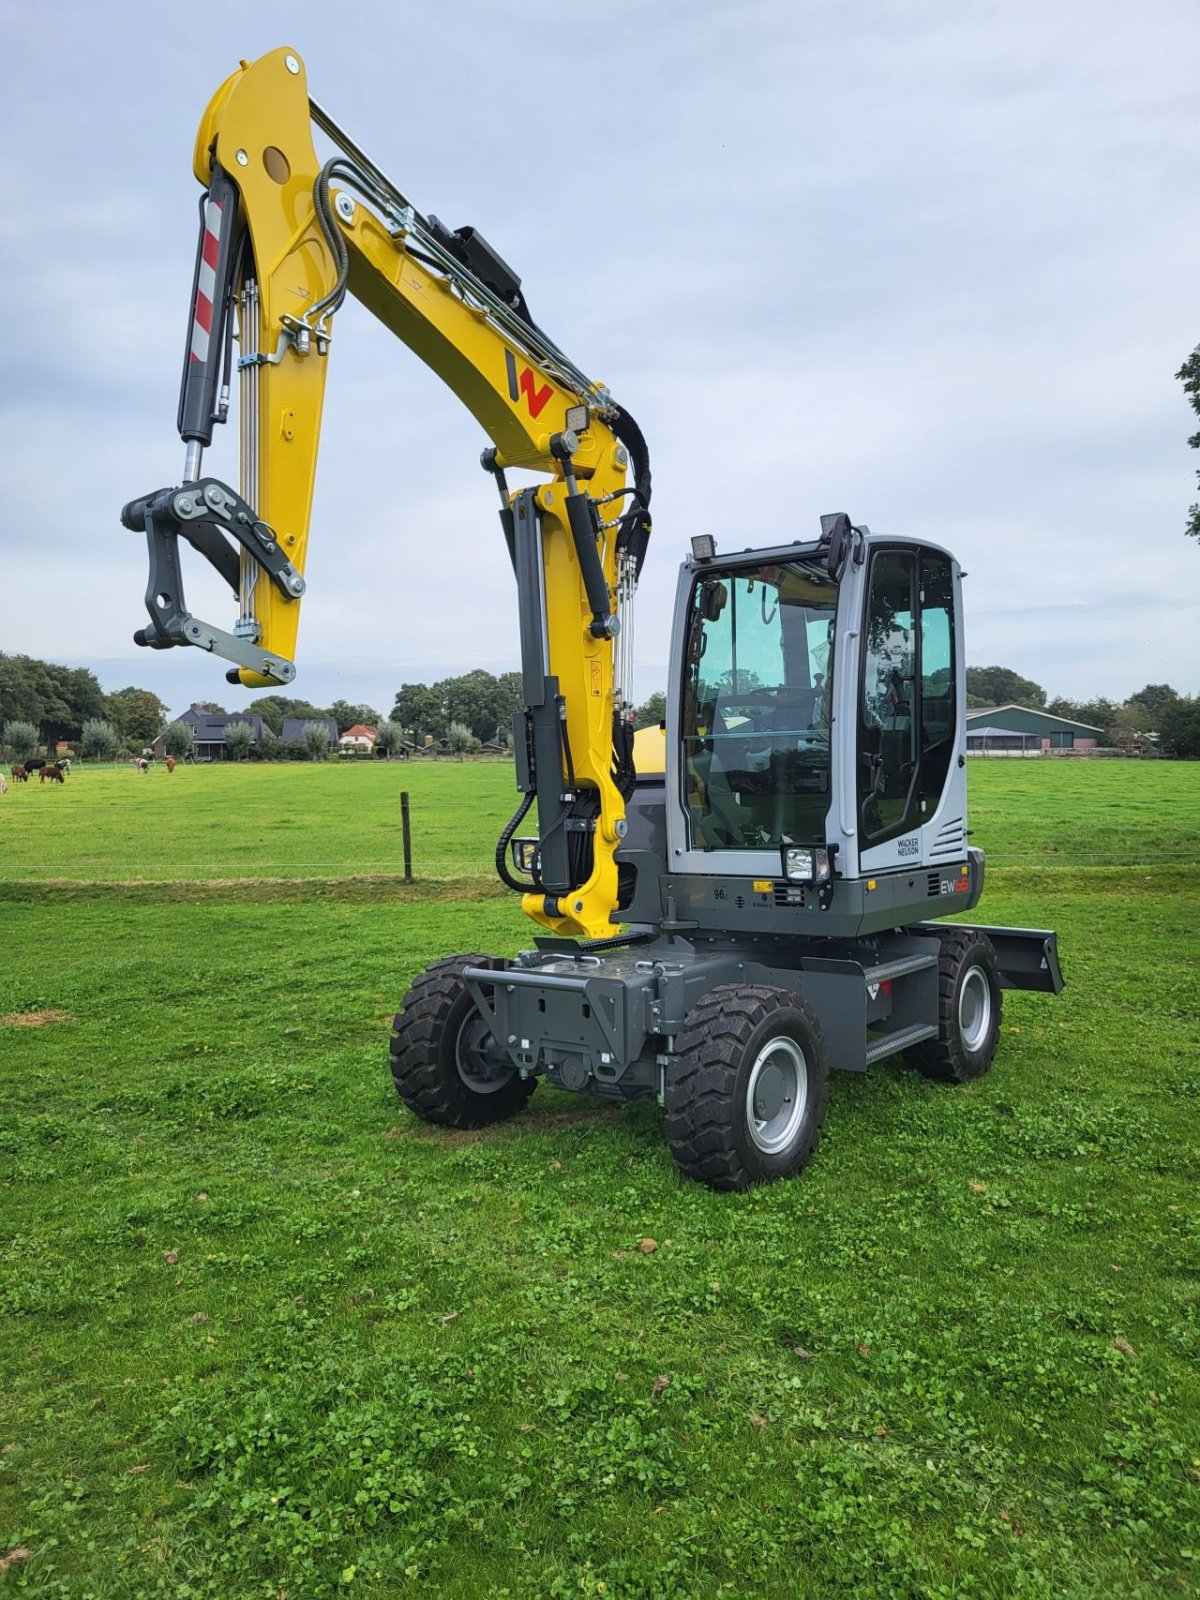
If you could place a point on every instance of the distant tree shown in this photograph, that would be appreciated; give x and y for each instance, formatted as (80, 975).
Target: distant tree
(84, 698)
(137, 714)
(274, 709)
(511, 689)
(209, 705)
(1179, 729)
(460, 739)
(1152, 701)
(99, 740)
(316, 740)
(21, 739)
(652, 711)
(1189, 376)
(474, 699)
(20, 700)
(239, 737)
(1115, 723)
(177, 739)
(477, 699)
(419, 711)
(347, 715)
(56, 699)
(390, 736)
(1001, 686)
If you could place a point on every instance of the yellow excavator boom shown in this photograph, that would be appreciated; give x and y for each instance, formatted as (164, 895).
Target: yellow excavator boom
(284, 237)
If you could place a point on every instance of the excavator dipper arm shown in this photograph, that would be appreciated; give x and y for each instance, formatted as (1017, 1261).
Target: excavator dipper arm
(283, 238)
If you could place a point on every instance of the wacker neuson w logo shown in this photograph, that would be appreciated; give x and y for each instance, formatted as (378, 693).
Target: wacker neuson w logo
(526, 385)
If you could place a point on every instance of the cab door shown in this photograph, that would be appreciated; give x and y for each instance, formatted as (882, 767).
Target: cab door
(909, 756)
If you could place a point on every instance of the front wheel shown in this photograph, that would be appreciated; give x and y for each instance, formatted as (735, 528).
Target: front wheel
(446, 1065)
(969, 1009)
(745, 1095)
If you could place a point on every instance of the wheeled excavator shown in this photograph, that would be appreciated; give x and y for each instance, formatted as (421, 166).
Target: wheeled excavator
(721, 920)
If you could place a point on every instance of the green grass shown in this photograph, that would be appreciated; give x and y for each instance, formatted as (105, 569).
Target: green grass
(263, 1334)
(308, 819)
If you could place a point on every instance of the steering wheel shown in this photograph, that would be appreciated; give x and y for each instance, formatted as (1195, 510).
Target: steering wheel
(752, 700)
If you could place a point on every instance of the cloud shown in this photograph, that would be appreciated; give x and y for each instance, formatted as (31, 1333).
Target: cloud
(929, 264)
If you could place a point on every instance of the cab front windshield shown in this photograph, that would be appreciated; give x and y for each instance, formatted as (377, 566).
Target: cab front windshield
(756, 706)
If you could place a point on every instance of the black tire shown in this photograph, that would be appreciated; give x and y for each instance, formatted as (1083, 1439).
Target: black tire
(432, 1075)
(969, 1010)
(724, 1075)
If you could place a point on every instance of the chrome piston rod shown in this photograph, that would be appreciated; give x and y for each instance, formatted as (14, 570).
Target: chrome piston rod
(247, 626)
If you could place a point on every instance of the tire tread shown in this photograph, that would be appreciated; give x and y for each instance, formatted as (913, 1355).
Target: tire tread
(419, 1068)
(943, 1058)
(701, 1118)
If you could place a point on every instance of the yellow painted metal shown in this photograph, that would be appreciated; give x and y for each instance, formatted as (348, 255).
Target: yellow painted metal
(257, 116)
(259, 125)
(650, 750)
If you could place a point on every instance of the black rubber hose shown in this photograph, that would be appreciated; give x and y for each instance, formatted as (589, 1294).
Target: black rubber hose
(510, 827)
(634, 534)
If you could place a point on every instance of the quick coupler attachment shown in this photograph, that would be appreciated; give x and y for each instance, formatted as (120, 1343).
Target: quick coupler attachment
(208, 514)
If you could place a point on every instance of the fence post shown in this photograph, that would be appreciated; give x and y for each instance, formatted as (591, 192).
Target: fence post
(406, 831)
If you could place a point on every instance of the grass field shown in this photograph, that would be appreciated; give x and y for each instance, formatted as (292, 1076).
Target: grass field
(263, 1334)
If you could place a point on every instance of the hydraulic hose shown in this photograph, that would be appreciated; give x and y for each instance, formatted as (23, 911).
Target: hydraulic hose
(502, 844)
(634, 534)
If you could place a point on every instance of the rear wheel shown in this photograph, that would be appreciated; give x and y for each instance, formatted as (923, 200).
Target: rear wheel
(446, 1064)
(969, 1010)
(745, 1095)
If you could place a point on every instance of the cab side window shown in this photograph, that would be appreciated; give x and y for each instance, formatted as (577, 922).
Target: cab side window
(889, 720)
(907, 707)
(938, 707)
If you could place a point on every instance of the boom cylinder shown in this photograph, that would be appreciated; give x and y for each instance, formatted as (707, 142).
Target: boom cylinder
(210, 301)
(249, 383)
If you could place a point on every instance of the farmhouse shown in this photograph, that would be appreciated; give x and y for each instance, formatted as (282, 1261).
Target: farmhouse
(293, 728)
(359, 740)
(1021, 730)
(208, 731)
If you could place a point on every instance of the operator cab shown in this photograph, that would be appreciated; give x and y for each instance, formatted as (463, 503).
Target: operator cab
(819, 704)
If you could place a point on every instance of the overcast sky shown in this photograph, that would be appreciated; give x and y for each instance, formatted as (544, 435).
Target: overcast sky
(930, 262)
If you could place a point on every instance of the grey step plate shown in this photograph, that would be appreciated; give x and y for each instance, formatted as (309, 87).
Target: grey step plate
(900, 968)
(891, 1042)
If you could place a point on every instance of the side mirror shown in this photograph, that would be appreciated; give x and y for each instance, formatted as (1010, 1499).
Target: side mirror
(713, 596)
(837, 532)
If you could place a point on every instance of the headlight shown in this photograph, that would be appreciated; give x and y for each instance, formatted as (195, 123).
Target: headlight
(525, 855)
(804, 863)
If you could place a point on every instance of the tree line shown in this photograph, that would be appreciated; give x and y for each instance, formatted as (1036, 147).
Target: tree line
(42, 702)
(477, 700)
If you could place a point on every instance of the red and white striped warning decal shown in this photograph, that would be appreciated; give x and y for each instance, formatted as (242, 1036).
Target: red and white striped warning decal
(206, 282)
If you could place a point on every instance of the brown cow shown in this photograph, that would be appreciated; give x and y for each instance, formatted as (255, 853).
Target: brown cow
(53, 773)
(170, 763)
(18, 774)
(141, 763)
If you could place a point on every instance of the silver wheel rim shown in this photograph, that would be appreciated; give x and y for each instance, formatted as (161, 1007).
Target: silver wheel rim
(776, 1095)
(471, 1057)
(974, 1008)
